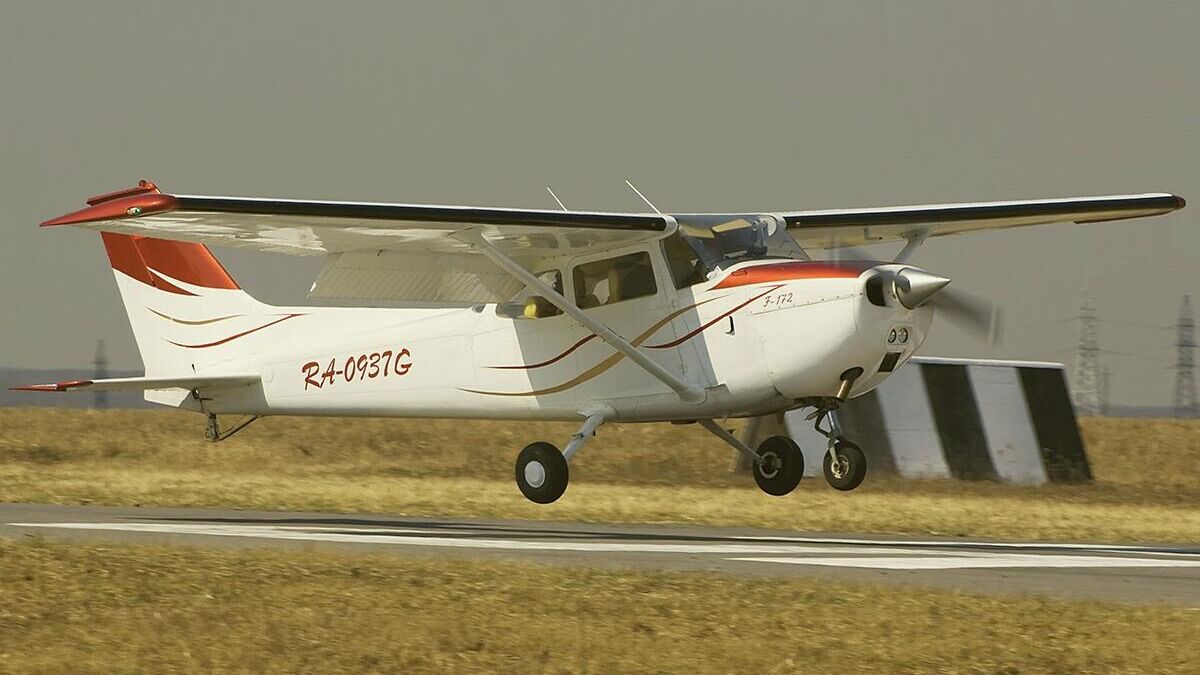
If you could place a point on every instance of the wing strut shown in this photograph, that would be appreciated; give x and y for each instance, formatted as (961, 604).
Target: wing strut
(913, 242)
(687, 393)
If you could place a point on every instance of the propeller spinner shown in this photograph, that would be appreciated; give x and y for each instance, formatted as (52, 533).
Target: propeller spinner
(915, 287)
(978, 316)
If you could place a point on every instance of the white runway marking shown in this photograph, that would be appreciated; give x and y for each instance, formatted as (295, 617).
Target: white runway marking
(876, 554)
(978, 561)
(944, 543)
(349, 536)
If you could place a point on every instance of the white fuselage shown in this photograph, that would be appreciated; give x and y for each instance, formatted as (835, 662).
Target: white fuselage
(757, 338)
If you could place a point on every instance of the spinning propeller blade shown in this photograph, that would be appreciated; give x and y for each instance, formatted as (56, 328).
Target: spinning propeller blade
(976, 315)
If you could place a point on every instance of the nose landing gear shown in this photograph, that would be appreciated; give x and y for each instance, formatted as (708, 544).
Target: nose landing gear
(845, 465)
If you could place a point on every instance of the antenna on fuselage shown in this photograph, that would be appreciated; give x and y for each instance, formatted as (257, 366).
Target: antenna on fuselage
(639, 193)
(560, 204)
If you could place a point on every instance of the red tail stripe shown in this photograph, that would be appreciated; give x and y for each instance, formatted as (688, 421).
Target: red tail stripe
(125, 258)
(190, 263)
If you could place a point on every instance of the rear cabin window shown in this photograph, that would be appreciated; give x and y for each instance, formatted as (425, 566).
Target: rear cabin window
(606, 282)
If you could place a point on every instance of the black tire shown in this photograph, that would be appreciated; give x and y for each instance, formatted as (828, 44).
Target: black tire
(542, 473)
(852, 469)
(781, 468)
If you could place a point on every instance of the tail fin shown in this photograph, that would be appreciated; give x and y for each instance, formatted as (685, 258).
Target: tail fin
(185, 309)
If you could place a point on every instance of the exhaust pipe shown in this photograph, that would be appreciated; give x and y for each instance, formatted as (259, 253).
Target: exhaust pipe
(848, 379)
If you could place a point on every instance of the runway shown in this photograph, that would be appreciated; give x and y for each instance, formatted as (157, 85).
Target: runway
(1167, 574)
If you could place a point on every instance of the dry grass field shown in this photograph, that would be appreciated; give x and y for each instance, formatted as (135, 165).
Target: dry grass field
(83, 608)
(1147, 472)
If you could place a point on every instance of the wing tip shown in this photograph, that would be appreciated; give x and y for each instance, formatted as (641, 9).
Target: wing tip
(142, 199)
(56, 386)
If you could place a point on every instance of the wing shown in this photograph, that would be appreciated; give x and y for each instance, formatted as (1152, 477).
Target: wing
(374, 251)
(855, 227)
(409, 252)
(301, 227)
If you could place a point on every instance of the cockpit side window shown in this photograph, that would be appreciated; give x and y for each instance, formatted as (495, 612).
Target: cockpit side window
(683, 261)
(529, 304)
(606, 282)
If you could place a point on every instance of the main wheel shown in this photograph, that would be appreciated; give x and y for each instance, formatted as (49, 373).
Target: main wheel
(850, 468)
(781, 466)
(542, 472)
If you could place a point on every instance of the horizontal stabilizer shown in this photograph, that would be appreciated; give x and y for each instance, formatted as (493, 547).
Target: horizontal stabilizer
(143, 383)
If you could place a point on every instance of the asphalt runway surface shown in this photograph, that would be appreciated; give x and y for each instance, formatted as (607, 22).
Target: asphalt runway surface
(1151, 574)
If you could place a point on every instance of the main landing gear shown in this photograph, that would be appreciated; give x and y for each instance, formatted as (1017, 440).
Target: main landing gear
(778, 464)
(845, 465)
(542, 472)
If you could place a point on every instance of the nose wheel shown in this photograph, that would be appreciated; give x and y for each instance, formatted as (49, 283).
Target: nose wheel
(845, 465)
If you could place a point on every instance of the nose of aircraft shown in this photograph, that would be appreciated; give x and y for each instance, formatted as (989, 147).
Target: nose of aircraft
(915, 287)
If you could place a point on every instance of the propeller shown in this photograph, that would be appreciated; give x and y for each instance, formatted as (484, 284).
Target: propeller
(971, 313)
(974, 314)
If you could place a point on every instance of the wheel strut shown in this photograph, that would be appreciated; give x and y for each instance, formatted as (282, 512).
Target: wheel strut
(716, 430)
(833, 434)
(542, 473)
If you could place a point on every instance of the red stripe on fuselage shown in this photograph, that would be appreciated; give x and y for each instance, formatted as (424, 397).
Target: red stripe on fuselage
(793, 271)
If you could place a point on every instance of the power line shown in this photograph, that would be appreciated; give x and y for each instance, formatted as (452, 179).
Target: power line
(100, 362)
(1185, 363)
(1087, 385)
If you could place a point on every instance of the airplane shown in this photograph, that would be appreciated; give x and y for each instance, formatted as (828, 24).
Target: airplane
(525, 314)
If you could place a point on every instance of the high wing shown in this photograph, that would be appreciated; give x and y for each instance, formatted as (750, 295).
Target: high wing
(372, 250)
(833, 228)
(420, 253)
(304, 227)
(145, 383)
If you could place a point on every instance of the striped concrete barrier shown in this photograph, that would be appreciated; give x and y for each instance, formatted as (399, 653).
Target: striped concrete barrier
(956, 418)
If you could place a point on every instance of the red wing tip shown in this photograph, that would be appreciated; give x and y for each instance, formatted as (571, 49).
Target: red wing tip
(57, 386)
(114, 206)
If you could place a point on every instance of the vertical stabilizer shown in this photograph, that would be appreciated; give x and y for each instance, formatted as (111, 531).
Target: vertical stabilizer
(186, 311)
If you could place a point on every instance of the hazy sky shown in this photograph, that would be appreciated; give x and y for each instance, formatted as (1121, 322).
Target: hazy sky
(731, 106)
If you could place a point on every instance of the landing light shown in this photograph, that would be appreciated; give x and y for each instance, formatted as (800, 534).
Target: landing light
(892, 337)
(903, 335)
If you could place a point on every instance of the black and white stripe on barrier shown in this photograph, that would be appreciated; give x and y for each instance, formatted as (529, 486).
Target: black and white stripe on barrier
(960, 418)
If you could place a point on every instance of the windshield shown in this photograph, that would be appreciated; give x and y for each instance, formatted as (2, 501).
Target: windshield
(723, 240)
